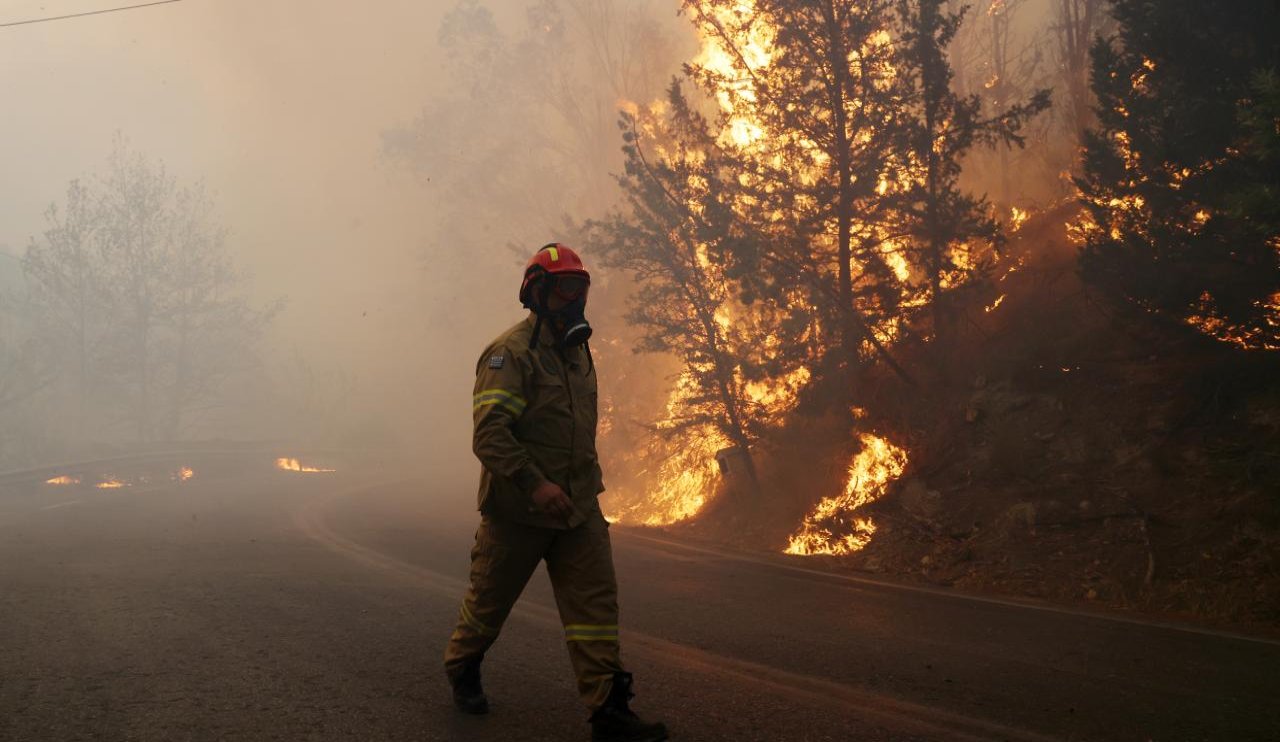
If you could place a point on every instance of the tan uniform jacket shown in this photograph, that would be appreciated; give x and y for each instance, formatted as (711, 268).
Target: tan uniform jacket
(535, 420)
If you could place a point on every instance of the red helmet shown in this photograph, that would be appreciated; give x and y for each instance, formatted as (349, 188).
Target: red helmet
(562, 263)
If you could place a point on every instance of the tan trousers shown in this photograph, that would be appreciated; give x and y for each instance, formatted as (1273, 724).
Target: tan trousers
(580, 564)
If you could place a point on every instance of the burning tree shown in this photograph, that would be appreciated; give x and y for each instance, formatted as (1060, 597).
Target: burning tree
(806, 90)
(1174, 148)
(949, 229)
(676, 227)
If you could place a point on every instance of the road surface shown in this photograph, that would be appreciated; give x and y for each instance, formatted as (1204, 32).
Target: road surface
(247, 603)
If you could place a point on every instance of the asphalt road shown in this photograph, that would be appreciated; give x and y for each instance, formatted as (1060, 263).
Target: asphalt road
(253, 604)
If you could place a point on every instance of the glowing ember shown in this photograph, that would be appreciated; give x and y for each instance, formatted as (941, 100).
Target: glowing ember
(63, 480)
(1206, 320)
(111, 484)
(184, 474)
(288, 464)
(831, 528)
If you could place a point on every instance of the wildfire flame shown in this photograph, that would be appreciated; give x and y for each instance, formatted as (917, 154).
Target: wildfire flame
(184, 474)
(831, 528)
(291, 464)
(111, 484)
(1017, 217)
(737, 41)
(1205, 320)
(62, 480)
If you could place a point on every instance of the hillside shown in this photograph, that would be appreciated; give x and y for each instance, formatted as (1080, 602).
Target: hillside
(1069, 452)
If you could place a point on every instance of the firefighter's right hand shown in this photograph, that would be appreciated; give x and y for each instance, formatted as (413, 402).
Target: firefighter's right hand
(552, 500)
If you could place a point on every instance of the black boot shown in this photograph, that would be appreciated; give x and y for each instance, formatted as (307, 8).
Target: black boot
(616, 722)
(468, 695)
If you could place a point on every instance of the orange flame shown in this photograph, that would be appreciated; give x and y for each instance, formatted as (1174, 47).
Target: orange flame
(111, 484)
(63, 480)
(184, 474)
(872, 470)
(291, 464)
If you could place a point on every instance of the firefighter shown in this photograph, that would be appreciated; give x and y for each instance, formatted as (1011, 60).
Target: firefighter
(534, 414)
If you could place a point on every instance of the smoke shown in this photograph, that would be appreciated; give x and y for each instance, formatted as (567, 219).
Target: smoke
(379, 175)
(284, 110)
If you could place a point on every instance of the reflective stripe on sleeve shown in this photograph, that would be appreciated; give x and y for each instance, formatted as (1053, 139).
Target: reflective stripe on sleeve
(590, 633)
(500, 397)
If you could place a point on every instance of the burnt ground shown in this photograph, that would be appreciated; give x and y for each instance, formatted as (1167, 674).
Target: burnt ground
(1068, 452)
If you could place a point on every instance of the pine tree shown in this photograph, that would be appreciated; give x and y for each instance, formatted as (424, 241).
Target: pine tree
(1166, 229)
(948, 229)
(672, 235)
(806, 89)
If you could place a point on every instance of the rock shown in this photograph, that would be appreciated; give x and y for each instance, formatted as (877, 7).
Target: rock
(919, 500)
(1022, 514)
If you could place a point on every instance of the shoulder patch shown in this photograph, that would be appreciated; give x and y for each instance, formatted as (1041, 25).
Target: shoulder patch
(496, 361)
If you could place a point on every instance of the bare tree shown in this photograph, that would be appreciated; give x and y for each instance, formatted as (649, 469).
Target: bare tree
(134, 290)
(1077, 23)
(66, 274)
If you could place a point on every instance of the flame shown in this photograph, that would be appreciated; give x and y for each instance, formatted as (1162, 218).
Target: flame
(1017, 217)
(63, 480)
(1126, 209)
(996, 305)
(1206, 320)
(184, 474)
(290, 464)
(736, 42)
(111, 484)
(872, 470)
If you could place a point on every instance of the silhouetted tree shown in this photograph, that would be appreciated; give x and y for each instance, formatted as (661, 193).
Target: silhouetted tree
(1173, 150)
(807, 89)
(948, 228)
(672, 235)
(133, 289)
(1076, 25)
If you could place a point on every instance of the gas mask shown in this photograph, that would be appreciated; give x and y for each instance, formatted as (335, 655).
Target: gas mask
(562, 299)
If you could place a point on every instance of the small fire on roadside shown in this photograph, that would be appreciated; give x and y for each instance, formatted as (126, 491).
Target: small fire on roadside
(291, 464)
(832, 527)
(63, 480)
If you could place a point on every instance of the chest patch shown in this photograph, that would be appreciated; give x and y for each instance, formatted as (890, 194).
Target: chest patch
(497, 361)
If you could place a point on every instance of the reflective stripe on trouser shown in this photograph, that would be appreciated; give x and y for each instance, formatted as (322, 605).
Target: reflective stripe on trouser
(580, 564)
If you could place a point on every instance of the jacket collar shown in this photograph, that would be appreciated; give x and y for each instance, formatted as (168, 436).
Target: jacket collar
(546, 338)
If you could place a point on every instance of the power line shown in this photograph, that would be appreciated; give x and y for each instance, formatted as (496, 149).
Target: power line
(91, 12)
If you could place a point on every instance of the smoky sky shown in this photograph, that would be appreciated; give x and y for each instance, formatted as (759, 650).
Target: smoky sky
(281, 107)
